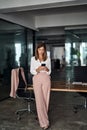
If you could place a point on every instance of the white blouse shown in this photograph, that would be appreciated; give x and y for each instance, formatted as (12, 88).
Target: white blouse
(36, 63)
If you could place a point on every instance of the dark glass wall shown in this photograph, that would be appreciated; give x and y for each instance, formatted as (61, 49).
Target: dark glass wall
(30, 48)
(16, 49)
(76, 55)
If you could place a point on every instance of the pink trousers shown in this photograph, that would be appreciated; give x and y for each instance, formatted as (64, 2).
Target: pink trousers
(42, 84)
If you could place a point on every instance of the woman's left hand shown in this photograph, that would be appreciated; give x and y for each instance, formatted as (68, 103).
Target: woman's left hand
(45, 68)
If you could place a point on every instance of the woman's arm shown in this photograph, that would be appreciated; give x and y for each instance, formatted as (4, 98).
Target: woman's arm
(48, 66)
(32, 66)
(35, 70)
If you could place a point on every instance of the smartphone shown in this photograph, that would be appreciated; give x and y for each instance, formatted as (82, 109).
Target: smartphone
(43, 64)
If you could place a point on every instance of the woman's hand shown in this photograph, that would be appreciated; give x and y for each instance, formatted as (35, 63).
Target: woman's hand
(46, 69)
(40, 68)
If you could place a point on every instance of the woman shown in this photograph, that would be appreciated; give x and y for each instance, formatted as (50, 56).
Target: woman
(41, 69)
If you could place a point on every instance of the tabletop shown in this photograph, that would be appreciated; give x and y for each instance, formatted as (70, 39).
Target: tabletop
(63, 86)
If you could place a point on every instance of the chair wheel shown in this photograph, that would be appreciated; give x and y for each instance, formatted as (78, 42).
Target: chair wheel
(17, 112)
(75, 109)
(18, 118)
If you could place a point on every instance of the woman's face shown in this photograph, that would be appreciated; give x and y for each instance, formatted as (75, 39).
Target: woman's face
(41, 50)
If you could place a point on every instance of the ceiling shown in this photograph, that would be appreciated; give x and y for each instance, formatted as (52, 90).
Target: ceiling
(51, 35)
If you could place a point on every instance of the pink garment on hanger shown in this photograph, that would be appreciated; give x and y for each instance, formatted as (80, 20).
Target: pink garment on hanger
(15, 80)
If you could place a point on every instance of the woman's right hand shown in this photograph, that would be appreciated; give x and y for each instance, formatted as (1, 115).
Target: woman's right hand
(40, 68)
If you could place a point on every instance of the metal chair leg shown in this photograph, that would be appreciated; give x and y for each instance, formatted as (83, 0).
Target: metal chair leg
(85, 103)
(80, 107)
(28, 109)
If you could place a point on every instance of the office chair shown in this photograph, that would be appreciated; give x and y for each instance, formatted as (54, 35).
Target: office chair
(82, 106)
(24, 94)
(80, 74)
(85, 101)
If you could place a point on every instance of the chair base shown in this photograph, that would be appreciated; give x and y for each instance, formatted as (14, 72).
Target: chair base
(80, 107)
(21, 111)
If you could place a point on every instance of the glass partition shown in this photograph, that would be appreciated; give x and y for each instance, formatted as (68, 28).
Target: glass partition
(16, 46)
(76, 51)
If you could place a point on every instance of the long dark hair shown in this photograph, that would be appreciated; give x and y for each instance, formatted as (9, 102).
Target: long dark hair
(36, 51)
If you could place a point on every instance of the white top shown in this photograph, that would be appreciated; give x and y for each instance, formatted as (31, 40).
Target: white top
(36, 63)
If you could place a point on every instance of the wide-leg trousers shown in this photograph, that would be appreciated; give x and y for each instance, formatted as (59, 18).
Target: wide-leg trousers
(42, 84)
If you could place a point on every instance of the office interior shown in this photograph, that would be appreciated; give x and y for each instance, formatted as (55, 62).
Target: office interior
(61, 25)
(67, 53)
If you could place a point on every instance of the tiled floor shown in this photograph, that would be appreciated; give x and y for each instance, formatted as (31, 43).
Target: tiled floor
(61, 114)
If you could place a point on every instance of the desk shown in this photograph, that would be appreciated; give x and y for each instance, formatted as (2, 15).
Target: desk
(61, 86)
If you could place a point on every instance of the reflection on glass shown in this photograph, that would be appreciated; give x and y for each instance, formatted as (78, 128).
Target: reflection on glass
(15, 42)
(83, 50)
(18, 52)
(30, 46)
(68, 53)
(76, 54)
(48, 53)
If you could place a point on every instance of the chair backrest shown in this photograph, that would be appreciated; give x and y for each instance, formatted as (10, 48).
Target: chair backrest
(21, 81)
(80, 74)
(21, 86)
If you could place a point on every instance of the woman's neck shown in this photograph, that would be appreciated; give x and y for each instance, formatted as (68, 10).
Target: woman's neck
(41, 58)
